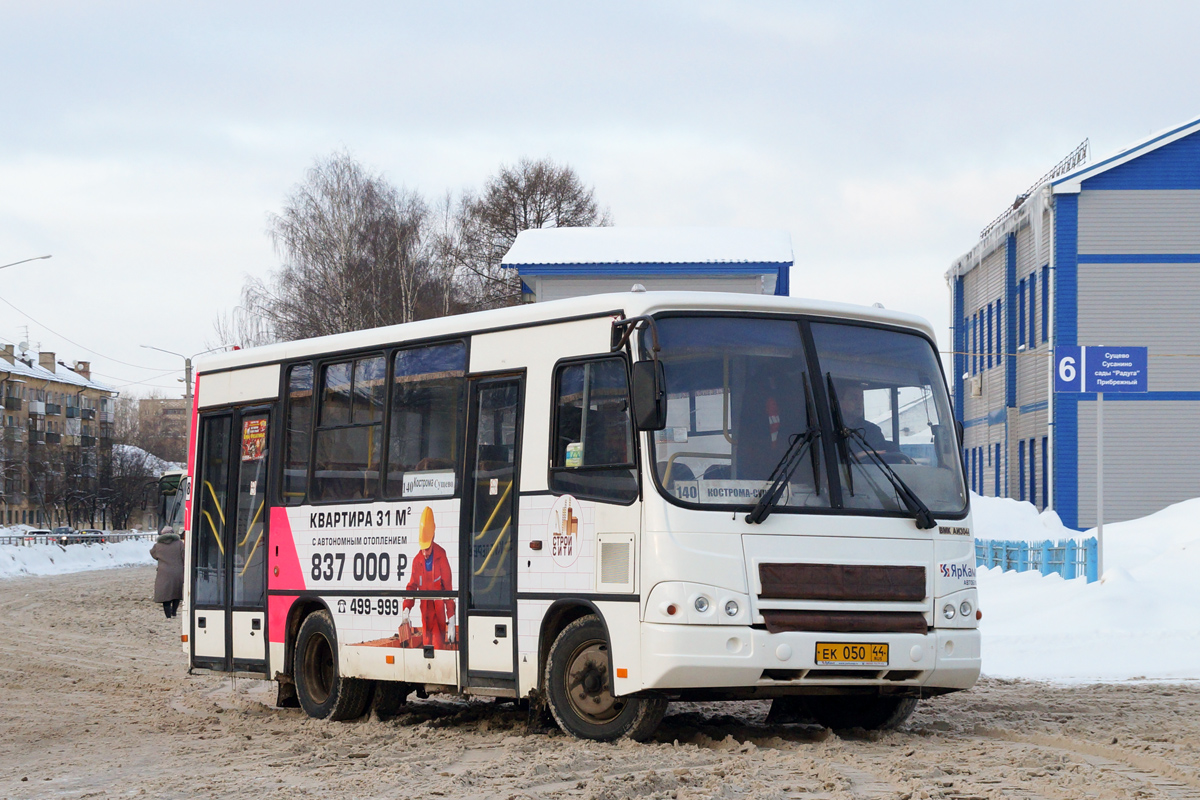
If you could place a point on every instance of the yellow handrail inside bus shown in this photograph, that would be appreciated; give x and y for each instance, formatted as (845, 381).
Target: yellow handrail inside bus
(250, 557)
(250, 527)
(216, 502)
(495, 511)
(213, 526)
(503, 537)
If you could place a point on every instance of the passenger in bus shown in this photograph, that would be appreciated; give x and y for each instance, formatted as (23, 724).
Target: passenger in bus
(168, 580)
(431, 573)
(772, 411)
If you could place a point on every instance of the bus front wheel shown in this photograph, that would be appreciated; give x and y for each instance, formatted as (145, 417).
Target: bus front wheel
(579, 689)
(324, 693)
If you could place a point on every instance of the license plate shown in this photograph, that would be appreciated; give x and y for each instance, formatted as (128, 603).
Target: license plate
(845, 654)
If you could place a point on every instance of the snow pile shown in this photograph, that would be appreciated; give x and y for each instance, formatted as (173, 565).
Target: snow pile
(53, 559)
(1140, 620)
(1001, 518)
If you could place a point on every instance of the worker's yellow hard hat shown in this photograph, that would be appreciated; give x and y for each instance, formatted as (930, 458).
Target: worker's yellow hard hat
(425, 537)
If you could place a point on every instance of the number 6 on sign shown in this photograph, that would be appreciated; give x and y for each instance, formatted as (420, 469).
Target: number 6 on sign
(1068, 368)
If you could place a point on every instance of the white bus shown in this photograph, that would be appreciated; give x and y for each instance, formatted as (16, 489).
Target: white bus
(601, 504)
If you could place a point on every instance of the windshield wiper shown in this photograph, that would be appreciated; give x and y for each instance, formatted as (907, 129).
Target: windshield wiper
(797, 444)
(912, 502)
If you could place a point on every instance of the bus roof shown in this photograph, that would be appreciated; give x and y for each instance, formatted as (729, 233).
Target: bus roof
(630, 304)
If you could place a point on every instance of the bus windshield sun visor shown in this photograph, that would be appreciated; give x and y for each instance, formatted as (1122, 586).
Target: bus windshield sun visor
(920, 511)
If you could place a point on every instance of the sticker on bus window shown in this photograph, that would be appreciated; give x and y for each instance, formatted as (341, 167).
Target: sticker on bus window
(254, 439)
(669, 435)
(429, 484)
(727, 491)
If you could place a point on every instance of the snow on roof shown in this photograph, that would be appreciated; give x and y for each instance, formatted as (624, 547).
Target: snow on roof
(1071, 182)
(62, 374)
(1031, 207)
(649, 246)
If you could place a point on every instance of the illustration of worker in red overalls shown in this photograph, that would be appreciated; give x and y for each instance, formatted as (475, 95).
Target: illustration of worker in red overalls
(431, 573)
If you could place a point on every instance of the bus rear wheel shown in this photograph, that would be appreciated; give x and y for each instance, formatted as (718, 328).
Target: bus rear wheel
(579, 689)
(868, 713)
(324, 693)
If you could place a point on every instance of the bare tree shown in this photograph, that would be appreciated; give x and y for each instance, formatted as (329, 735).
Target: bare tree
(129, 474)
(351, 250)
(358, 252)
(241, 326)
(532, 194)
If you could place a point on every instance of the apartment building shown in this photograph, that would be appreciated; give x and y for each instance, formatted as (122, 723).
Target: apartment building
(57, 427)
(164, 427)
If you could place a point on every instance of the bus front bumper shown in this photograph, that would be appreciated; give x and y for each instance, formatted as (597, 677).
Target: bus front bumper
(713, 657)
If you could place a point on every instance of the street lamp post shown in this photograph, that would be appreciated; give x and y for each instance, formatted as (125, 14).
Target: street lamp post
(187, 372)
(22, 261)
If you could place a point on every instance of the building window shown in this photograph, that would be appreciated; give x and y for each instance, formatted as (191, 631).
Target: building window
(1032, 472)
(997, 473)
(1045, 307)
(990, 341)
(1021, 313)
(1045, 469)
(1032, 311)
(999, 330)
(1020, 471)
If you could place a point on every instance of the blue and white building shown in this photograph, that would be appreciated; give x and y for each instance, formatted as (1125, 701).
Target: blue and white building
(555, 263)
(1101, 253)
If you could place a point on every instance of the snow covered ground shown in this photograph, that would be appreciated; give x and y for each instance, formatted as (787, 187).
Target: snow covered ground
(1141, 620)
(53, 559)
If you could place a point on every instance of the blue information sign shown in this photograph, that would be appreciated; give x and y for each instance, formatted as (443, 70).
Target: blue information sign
(1100, 369)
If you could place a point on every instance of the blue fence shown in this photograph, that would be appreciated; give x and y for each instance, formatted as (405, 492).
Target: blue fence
(1068, 558)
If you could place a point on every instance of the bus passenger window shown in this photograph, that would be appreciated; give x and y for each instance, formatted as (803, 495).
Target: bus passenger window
(593, 452)
(299, 431)
(428, 394)
(349, 441)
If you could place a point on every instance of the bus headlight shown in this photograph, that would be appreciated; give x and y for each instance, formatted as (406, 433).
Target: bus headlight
(702, 604)
(731, 608)
(948, 611)
(965, 608)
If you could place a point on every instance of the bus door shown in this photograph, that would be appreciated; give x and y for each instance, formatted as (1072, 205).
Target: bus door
(489, 532)
(229, 541)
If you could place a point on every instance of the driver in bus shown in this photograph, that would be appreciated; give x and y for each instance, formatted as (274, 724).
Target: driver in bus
(850, 398)
(431, 573)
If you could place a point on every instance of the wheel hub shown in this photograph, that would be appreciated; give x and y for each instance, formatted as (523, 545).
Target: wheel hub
(588, 686)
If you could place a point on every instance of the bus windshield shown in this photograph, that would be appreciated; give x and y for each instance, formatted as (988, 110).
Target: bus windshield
(745, 396)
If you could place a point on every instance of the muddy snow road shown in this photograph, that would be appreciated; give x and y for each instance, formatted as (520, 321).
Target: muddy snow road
(95, 702)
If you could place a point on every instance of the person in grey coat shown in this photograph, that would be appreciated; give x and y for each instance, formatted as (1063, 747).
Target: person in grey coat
(168, 582)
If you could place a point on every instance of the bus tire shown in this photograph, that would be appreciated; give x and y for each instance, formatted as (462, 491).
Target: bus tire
(579, 689)
(389, 698)
(857, 711)
(324, 693)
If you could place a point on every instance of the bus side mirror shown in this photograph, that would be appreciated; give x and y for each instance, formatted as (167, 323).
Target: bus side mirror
(649, 396)
(958, 431)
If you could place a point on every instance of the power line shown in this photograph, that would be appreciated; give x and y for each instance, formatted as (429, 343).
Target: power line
(72, 341)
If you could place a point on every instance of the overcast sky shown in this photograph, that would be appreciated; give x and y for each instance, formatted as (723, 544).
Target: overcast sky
(143, 144)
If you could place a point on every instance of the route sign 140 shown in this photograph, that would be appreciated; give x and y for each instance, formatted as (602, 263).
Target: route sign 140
(1099, 369)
